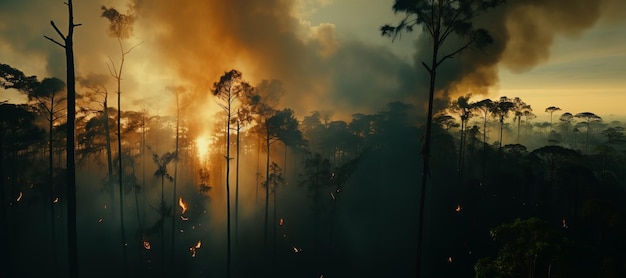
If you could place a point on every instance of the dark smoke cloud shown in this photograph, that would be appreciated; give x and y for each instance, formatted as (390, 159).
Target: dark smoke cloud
(524, 32)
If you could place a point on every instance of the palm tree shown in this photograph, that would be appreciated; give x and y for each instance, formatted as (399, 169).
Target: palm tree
(589, 118)
(551, 110)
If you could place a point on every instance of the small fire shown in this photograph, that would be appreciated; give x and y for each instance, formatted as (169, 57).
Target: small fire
(182, 205)
(297, 250)
(56, 200)
(146, 245)
(280, 222)
(565, 226)
(184, 218)
(449, 259)
(458, 208)
(193, 249)
(19, 197)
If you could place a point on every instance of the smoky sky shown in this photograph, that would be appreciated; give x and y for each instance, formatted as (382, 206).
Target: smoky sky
(191, 43)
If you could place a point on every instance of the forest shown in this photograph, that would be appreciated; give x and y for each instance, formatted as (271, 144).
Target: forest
(254, 188)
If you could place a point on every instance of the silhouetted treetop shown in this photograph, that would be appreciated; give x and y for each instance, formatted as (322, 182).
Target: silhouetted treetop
(121, 25)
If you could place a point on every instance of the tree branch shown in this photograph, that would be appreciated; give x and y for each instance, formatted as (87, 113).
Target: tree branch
(58, 31)
(56, 42)
(451, 55)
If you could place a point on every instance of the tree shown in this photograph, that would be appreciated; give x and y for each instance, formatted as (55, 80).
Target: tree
(463, 108)
(566, 121)
(526, 246)
(161, 172)
(501, 110)
(120, 27)
(49, 99)
(589, 118)
(551, 110)
(439, 20)
(68, 45)
(485, 107)
(228, 89)
(520, 108)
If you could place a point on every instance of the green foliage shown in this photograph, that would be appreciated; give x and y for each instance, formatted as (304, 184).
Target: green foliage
(526, 247)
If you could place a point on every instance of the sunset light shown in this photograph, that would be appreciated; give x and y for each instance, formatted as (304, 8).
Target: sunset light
(312, 138)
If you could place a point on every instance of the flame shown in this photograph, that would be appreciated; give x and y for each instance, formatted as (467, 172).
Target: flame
(458, 208)
(297, 250)
(193, 249)
(565, 226)
(19, 197)
(56, 200)
(182, 205)
(146, 245)
(280, 222)
(449, 259)
(184, 218)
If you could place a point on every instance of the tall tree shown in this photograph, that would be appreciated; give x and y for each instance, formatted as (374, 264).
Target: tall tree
(49, 99)
(439, 20)
(120, 27)
(589, 118)
(68, 45)
(551, 110)
(463, 108)
(566, 121)
(485, 107)
(228, 89)
(262, 103)
(520, 108)
(501, 110)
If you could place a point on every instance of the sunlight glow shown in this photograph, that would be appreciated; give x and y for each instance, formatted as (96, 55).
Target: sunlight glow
(202, 144)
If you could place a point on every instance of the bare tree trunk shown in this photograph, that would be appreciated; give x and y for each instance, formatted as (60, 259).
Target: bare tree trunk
(267, 186)
(175, 180)
(68, 45)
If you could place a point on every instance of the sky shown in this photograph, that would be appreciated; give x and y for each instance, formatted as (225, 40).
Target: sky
(328, 54)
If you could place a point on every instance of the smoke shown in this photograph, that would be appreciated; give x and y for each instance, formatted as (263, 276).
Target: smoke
(523, 32)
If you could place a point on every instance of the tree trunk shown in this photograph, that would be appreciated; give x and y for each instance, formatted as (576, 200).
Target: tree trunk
(107, 133)
(174, 187)
(426, 154)
(72, 243)
(120, 169)
(237, 184)
(267, 186)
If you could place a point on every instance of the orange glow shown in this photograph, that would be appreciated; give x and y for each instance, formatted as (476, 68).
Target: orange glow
(202, 144)
(458, 208)
(19, 197)
(146, 245)
(280, 222)
(193, 249)
(182, 205)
